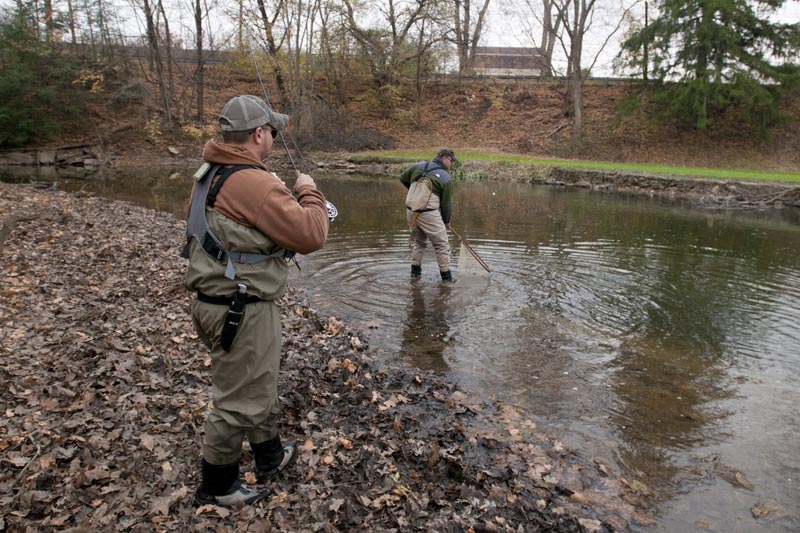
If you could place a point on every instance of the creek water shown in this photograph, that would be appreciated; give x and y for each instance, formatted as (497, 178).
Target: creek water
(660, 339)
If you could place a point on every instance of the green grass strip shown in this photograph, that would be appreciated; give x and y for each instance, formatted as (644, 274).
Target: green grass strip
(403, 156)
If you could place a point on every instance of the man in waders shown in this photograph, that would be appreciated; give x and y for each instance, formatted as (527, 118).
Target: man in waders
(429, 204)
(244, 225)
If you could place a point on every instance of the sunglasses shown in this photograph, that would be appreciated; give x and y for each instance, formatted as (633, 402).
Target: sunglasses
(274, 132)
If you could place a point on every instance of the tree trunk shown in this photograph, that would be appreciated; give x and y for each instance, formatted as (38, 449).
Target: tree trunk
(645, 58)
(577, 97)
(199, 75)
(549, 35)
(90, 23)
(168, 47)
(241, 25)
(71, 14)
(49, 30)
(152, 39)
(272, 48)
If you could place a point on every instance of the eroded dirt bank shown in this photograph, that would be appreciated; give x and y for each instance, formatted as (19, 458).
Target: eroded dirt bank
(106, 389)
(709, 192)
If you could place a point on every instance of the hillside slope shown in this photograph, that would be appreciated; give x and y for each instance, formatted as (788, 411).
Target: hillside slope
(509, 116)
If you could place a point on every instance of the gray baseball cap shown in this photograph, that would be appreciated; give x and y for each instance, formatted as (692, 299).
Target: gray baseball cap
(447, 152)
(248, 112)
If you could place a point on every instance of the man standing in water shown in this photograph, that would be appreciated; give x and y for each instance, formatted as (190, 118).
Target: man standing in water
(244, 225)
(429, 204)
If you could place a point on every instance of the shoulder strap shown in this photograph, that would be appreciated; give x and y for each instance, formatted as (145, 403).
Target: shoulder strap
(426, 170)
(197, 224)
(224, 175)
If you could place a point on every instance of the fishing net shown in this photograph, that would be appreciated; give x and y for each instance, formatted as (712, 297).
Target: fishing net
(468, 265)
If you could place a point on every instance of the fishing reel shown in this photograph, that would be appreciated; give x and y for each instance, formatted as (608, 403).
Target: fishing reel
(332, 211)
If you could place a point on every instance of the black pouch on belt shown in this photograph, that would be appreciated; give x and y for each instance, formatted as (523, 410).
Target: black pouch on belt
(234, 318)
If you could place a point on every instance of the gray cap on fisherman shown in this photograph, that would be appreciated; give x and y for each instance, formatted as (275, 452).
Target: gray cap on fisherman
(247, 112)
(447, 152)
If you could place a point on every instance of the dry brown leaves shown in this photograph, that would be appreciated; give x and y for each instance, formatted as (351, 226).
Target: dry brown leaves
(106, 389)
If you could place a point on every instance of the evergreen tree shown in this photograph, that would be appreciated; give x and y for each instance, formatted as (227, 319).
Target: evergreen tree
(24, 98)
(42, 85)
(718, 56)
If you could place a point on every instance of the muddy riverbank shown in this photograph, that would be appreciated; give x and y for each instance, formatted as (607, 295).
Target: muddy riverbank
(107, 390)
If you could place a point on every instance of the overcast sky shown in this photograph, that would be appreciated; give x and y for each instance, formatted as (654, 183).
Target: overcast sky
(509, 24)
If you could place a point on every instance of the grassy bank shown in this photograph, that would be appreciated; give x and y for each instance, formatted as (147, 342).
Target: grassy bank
(400, 156)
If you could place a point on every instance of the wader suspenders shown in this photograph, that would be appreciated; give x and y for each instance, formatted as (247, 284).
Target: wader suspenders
(197, 224)
(197, 227)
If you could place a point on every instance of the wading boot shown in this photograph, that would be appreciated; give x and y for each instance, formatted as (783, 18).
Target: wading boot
(447, 277)
(221, 486)
(272, 457)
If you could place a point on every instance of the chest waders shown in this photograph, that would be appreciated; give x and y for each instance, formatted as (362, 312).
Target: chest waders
(197, 228)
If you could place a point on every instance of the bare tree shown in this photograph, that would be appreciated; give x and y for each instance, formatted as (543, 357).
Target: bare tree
(578, 16)
(386, 48)
(168, 49)
(49, 21)
(199, 73)
(71, 21)
(272, 44)
(467, 32)
(333, 48)
(551, 25)
(425, 41)
(544, 18)
(299, 20)
(149, 13)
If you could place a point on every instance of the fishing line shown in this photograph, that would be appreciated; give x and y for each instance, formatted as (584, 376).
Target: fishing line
(332, 211)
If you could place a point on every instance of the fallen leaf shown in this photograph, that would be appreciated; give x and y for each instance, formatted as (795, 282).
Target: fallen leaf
(148, 442)
(162, 505)
(335, 504)
(590, 525)
(220, 511)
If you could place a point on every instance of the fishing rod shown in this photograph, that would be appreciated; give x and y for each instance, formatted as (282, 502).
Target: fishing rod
(470, 250)
(332, 211)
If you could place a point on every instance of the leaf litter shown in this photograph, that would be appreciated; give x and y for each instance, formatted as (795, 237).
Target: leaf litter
(106, 389)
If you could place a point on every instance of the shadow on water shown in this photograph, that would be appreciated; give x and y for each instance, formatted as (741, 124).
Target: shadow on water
(659, 338)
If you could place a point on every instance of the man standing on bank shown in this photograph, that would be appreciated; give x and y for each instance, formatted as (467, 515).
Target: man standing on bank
(429, 204)
(244, 225)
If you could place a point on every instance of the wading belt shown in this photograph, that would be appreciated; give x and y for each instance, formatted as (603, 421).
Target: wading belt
(197, 225)
(236, 306)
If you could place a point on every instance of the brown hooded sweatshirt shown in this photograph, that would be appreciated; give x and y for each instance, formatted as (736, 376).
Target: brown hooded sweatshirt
(259, 199)
(255, 213)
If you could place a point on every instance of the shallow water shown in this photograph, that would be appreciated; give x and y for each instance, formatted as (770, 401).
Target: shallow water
(663, 340)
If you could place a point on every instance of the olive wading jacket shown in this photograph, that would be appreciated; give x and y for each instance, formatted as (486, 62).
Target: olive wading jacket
(255, 212)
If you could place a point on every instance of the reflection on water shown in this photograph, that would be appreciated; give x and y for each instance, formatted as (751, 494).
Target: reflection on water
(661, 339)
(426, 332)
